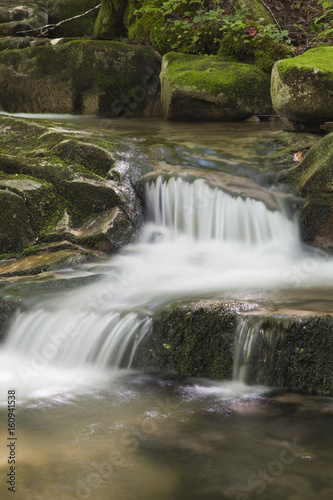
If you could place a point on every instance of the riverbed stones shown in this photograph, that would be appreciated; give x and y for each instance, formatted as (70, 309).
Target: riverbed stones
(302, 87)
(58, 182)
(16, 17)
(88, 77)
(313, 178)
(207, 88)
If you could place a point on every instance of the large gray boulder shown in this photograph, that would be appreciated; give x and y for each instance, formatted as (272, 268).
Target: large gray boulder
(207, 88)
(85, 76)
(302, 87)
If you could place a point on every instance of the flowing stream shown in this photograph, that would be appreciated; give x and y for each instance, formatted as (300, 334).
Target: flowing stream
(89, 426)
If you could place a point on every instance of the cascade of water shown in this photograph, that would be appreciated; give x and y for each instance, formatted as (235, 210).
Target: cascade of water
(204, 213)
(73, 338)
(254, 339)
(212, 242)
(246, 349)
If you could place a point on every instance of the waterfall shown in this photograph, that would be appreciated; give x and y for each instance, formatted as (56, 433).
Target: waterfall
(205, 242)
(204, 213)
(256, 347)
(74, 338)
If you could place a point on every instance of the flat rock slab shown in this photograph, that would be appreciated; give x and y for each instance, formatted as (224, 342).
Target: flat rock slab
(36, 264)
(302, 87)
(207, 88)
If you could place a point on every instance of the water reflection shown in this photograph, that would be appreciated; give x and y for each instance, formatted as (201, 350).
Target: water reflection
(139, 436)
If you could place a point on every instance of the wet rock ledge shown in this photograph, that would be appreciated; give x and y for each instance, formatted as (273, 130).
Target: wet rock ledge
(207, 339)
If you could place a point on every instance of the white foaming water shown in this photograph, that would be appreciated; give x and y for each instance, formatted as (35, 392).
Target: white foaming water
(201, 242)
(203, 213)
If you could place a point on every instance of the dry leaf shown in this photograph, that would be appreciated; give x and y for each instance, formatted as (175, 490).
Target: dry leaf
(251, 31)
(298, 156)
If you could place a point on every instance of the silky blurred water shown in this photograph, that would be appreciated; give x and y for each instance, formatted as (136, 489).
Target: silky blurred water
(88, 430)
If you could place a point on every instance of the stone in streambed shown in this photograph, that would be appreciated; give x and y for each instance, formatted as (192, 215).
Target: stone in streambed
(302, 87)
(67, 184)
(88, 77)
(313, 178)
(207, 88)
(194, 339)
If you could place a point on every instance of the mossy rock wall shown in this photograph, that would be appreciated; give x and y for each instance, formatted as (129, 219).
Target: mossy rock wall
(313, 178)
(59, 183)
(223, 340)
(294, 353)
(193, 339)
(89, 77)
(302, 87)
(206, 88)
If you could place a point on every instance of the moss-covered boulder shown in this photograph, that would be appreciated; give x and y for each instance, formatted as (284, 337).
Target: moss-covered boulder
(206, 88)
(110, 21)
(302, 87)
(84, 76)
(22, 16)
(60, 183)
(60, 10)
(313, 178)
(194, 339)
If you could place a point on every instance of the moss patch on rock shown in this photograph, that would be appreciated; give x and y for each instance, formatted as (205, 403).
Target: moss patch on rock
(301, 87)
(110, 20)
(204, 87)
(50, 172)
(295, 353)
(194, 339)
(313, 178)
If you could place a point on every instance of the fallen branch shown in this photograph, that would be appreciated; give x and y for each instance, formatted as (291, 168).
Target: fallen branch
(49, 27)
(272, 14)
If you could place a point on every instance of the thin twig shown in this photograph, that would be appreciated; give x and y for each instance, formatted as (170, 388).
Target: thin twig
(49, 27)
(272, 14)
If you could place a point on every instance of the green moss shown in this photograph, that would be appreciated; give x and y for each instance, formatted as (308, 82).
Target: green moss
(263, 52)
(315, 59)
(110, 20)
(153, 28)
(199, 337)
(210, 74)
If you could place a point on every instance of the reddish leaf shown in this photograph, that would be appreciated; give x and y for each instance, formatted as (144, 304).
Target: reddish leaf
(251, 31)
